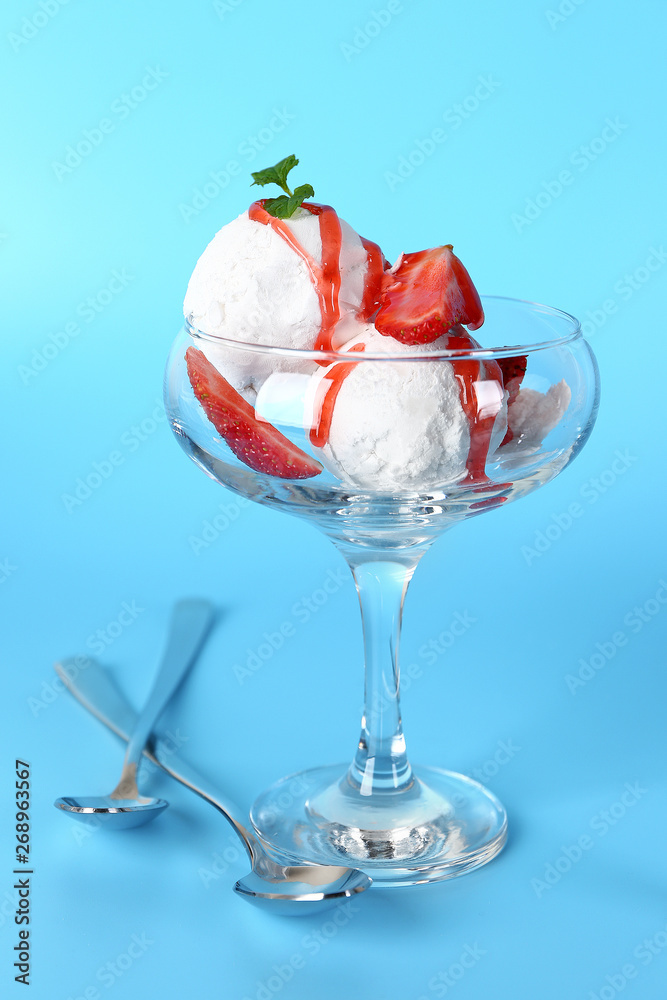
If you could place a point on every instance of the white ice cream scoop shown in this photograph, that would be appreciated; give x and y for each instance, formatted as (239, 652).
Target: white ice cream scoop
(249, 285)
(400, 425)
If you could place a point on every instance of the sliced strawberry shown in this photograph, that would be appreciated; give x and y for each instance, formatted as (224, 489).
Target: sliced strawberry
(431, 291)
(257, 443)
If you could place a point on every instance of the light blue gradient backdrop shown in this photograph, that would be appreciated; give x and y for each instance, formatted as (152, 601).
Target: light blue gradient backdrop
(350, 117)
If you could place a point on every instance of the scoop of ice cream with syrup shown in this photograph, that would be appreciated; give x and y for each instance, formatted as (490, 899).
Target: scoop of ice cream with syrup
(289, 273)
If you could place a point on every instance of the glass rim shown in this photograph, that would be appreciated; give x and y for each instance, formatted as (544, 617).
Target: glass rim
(478, 353)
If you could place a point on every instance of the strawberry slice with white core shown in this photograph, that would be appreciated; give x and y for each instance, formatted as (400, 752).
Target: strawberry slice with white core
(431, 292)
(255, 442)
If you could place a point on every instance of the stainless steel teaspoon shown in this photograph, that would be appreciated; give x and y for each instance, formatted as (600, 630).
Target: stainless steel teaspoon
(288, 889)
(125, 807)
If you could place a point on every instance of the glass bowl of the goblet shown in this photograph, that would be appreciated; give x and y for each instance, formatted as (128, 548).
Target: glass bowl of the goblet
(551, 411)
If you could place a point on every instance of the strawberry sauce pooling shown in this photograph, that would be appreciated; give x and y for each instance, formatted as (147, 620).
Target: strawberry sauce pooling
(326, 278)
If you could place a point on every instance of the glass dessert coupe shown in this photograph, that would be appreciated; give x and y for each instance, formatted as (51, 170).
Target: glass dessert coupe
(400, 825)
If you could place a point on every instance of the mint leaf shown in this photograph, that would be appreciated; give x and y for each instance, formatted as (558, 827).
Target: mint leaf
(278, 207)
(276, 174)
(285, 205)
(302, 192)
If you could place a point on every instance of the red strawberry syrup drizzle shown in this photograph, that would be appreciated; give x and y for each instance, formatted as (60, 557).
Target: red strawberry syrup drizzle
(326, 280)
(325, 277)
(468, 373)
(373, 280)
(328, 389)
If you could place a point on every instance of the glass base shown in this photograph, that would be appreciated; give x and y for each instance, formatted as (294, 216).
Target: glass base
(440, 825)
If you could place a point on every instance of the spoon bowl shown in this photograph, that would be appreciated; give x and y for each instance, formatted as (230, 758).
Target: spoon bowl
(304, 889)
(125, 813)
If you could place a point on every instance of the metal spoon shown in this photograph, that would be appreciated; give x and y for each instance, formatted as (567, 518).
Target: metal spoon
(288, 889)
(125, 807)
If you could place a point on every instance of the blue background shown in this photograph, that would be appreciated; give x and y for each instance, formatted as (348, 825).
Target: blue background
(352, 102)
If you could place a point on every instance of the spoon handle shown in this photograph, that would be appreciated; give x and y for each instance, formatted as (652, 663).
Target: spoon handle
(93, 687)
(190, 621)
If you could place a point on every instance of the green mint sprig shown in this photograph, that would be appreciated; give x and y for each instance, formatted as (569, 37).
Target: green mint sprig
(285, 205)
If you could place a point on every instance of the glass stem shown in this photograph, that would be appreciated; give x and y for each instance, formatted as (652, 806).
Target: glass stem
(381, 764)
